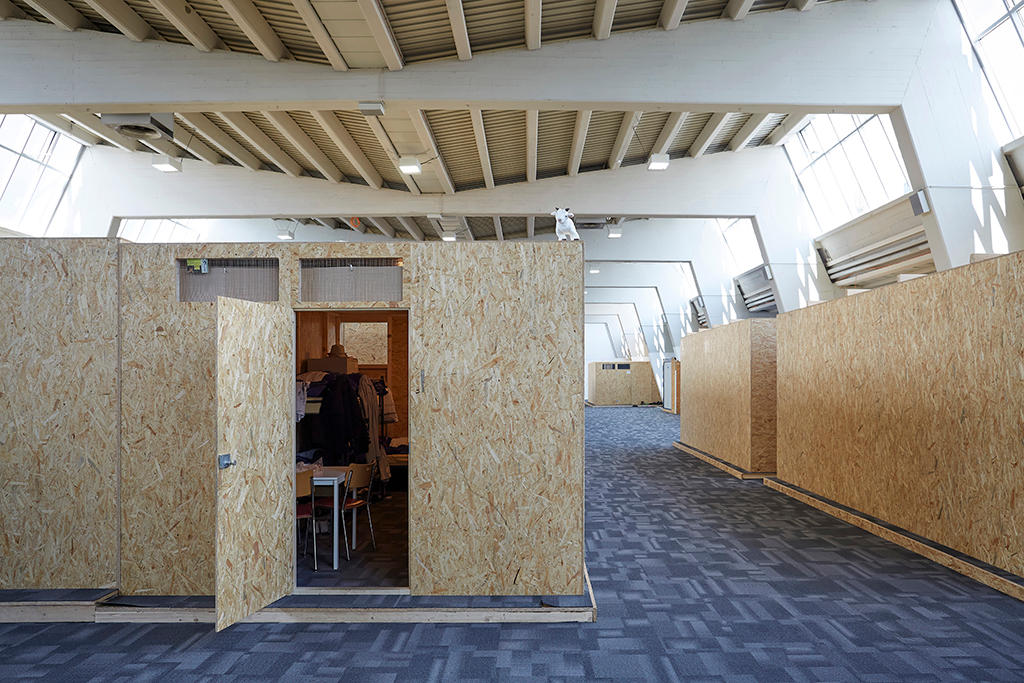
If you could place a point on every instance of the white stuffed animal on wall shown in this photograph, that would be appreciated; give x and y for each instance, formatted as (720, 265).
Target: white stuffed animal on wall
(564, 227)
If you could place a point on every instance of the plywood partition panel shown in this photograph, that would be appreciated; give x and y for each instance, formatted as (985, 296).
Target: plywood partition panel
(496, 412)
(907, 403)
(366, 342)
(58, 413)
(727, 393)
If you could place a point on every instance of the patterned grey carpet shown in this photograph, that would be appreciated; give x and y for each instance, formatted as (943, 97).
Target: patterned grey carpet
(697, 575)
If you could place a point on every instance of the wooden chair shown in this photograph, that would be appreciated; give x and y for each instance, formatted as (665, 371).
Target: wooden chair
(304, 508)
(361, 482)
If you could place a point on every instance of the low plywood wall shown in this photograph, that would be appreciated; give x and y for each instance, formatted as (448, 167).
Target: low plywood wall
(907, 403)
(727, 393)
(622, 387)
(58, 414)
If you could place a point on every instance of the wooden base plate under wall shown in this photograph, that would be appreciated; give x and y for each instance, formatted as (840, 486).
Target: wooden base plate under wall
(58, 609)
(726, 467)
(107, 613)
(947, 557)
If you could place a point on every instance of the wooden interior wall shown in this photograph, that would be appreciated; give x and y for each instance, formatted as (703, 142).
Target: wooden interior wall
(622, 387)
(726, 393)
(58, 413)
(367, 342)
(496, 499)
(907, 403)
(168, 427)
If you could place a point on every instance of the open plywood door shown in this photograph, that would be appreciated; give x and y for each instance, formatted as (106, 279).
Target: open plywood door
(256, 426)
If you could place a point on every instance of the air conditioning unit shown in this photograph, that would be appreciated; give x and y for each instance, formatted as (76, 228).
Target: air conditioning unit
(141, 126)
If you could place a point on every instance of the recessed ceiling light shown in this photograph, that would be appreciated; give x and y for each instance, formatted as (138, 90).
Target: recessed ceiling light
(448, 236)
(614, 232)
(594, 271)
(658, 162)
(167, 164)
(410, 166)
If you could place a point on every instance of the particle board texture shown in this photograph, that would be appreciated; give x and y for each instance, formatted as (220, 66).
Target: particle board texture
(168, 422)
(727, 398)
(496, 417)
(366, 342)
(906, 403)
(58, 413)
(616, 387)
(255, 425)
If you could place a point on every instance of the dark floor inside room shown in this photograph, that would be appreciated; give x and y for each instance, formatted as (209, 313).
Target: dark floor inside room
(696, 575)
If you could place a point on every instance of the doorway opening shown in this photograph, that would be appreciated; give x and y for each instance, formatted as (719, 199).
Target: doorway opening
(352, 412)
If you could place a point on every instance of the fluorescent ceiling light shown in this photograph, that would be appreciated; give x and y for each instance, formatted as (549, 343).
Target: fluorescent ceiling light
(657, 162)
(594, 271)
(167, 164)
(371, 108)
(286, 231)
(410, 166)
(614, 232)
(448, 236)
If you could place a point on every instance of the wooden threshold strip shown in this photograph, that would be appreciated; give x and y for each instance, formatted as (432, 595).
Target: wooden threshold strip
(726, 467)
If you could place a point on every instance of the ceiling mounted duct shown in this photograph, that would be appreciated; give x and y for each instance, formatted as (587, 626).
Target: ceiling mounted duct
(141, 126)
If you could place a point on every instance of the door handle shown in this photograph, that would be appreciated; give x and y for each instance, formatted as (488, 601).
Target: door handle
(225, 460)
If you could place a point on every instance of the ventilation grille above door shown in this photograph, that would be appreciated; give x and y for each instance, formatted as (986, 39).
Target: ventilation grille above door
(875, 249)
(238, 278)
(353, 279)
(755, 287)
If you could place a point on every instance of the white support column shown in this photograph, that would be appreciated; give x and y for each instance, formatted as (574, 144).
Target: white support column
(950, 131)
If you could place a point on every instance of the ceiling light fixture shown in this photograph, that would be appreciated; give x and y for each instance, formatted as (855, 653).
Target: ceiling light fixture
(167, 164)
(448, 236)
(371, 108)
(410, 166)
(658, 162)
(594, 271)
(286, 229)
(614, 232)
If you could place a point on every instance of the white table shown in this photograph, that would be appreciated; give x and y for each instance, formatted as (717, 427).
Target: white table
(335, 478)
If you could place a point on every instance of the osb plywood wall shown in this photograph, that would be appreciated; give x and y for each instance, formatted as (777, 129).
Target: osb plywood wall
(255, 424)
(634, 386)
(58, 413)
(907, 403)
(366, 342)
(727, 393)
(496, 500)
(168, 422)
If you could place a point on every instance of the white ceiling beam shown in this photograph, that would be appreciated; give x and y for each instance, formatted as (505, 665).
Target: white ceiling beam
(382, 35)
(221, 140)
(604, 16)
(532, 132)
(320, 34)
(411, 227)
(738, 9)
(622, 140)
(498, 232)
(745, 134)
(60, 13)
(579, 139)
(383, 227)
(389, 148)
(481, 146)
(79, 135)
(258, 139)
(531, 229)
(426, 135)
(672, 14)
(466, 229)
(340, 136)
(533, 14)
(708, 134)
(123, 18)
(189, 23)
(8, 10)
(802, 5)
(92, 123)
(163, 146)
(196, 147)
(457, 19)
(669, 131)
(789, 125)
(354, 223)
(256, 29)
(298, 137)
(329, 223)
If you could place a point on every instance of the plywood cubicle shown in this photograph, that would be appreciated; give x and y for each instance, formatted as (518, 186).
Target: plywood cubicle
(622, 383)
(495, 389)
(907, 403)
(727, 393)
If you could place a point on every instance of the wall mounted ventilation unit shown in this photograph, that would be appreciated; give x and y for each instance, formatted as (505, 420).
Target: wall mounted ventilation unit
(875, 249)
(141, 126)
(755, 287)
(699, 313)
